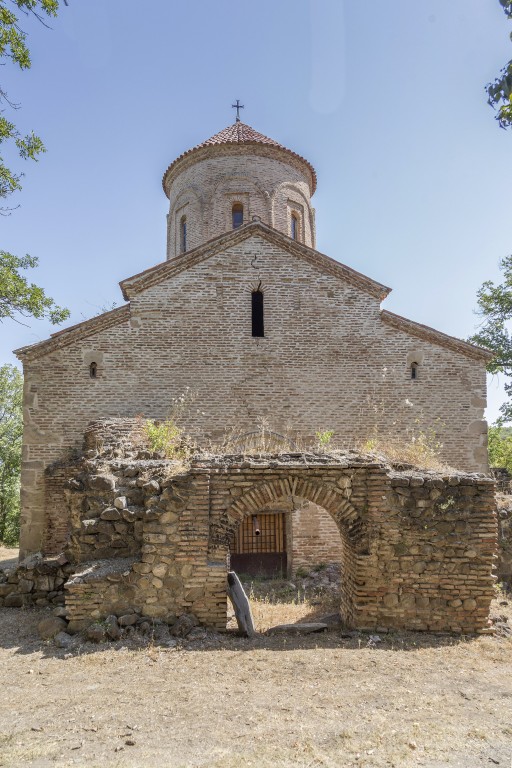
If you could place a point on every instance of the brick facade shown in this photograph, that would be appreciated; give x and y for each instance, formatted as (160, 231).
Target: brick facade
(330, 358)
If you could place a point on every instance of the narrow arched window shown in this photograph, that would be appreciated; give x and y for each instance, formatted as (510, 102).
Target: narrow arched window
(257, 314)
(93, 370)
(294, 227)
(183, 234)
(414, 371)
(237, 213)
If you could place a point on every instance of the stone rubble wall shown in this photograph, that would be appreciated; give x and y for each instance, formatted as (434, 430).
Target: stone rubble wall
(418, 549)
(504, 563)
(98, 590)
(35, 581)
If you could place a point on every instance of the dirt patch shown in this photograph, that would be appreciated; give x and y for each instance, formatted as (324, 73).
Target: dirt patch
(403, 699)
(8, 557)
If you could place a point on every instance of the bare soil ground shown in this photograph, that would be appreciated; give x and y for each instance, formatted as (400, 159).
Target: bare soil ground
(8, 556)
(226, 702)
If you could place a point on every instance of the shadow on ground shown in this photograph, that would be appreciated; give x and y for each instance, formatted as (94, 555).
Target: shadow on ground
(18, 632)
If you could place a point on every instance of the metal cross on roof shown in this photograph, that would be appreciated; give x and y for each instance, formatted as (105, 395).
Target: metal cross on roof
(238, 107)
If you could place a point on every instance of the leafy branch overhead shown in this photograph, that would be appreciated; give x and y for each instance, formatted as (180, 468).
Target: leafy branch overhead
(500, 91)
(17, 295)
(13, 46)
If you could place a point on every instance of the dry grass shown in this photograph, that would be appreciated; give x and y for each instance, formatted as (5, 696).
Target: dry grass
(418, 452)
(412, 700)
(272, 702)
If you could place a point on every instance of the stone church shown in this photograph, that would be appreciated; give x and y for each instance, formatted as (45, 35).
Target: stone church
(247, 313)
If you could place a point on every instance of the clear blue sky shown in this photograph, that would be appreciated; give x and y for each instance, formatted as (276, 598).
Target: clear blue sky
(386, 100)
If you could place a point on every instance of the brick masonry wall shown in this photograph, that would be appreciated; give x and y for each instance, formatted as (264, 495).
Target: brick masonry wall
(314, 538)
(264, 179)
(327, 361)
(417, 549)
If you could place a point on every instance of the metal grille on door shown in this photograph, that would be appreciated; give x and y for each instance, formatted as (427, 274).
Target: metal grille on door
(258, 547)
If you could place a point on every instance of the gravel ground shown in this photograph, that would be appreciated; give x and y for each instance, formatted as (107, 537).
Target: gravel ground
(272, 702)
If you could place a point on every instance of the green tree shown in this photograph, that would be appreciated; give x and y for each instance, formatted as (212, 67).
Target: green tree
(500, 91)
(17, 295)
(495, 308)
(11, 428)
(500, 447)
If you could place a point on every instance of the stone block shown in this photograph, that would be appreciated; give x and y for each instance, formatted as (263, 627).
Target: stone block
(101, 482)
(14, 601)
(111, 513)
(160, 570)
(50, 627)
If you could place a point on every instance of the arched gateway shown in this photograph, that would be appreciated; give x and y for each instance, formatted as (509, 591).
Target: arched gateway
(324, 493)
(417, 548)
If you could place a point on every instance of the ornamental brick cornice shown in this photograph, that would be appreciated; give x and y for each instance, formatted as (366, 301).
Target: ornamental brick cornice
(435, 337)
(76, 332)
(239, 139)
(154, 275)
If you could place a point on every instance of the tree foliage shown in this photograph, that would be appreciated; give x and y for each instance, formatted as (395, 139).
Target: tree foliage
(495, 307)
(500, 91)
(13, 47)
(16, 294)
(11, 427)
(500, 447)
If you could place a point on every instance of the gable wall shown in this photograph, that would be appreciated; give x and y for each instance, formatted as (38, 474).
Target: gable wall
(327, 362)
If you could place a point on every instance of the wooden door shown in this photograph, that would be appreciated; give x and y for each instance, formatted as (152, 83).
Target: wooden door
(258, 547)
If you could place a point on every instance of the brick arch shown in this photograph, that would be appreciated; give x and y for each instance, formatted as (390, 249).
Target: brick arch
(349, 520)
(190, 195)
(279, 205)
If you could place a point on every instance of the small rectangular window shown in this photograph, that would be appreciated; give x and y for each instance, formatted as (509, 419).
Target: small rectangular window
(294, 227)
(257, 314)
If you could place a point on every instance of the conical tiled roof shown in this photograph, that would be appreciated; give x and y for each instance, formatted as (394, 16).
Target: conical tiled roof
(241, 133)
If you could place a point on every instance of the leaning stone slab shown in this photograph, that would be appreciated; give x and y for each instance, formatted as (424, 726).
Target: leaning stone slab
(331, 619)
(297, 629)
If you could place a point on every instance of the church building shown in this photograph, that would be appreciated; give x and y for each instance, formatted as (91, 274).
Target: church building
(245, 313)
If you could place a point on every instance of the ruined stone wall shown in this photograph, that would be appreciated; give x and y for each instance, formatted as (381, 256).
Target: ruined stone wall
(504, 563)
(417, 549)
(328, 361)
(35, 581)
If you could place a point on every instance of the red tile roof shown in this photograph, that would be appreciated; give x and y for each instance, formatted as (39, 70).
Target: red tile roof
(240, 133)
